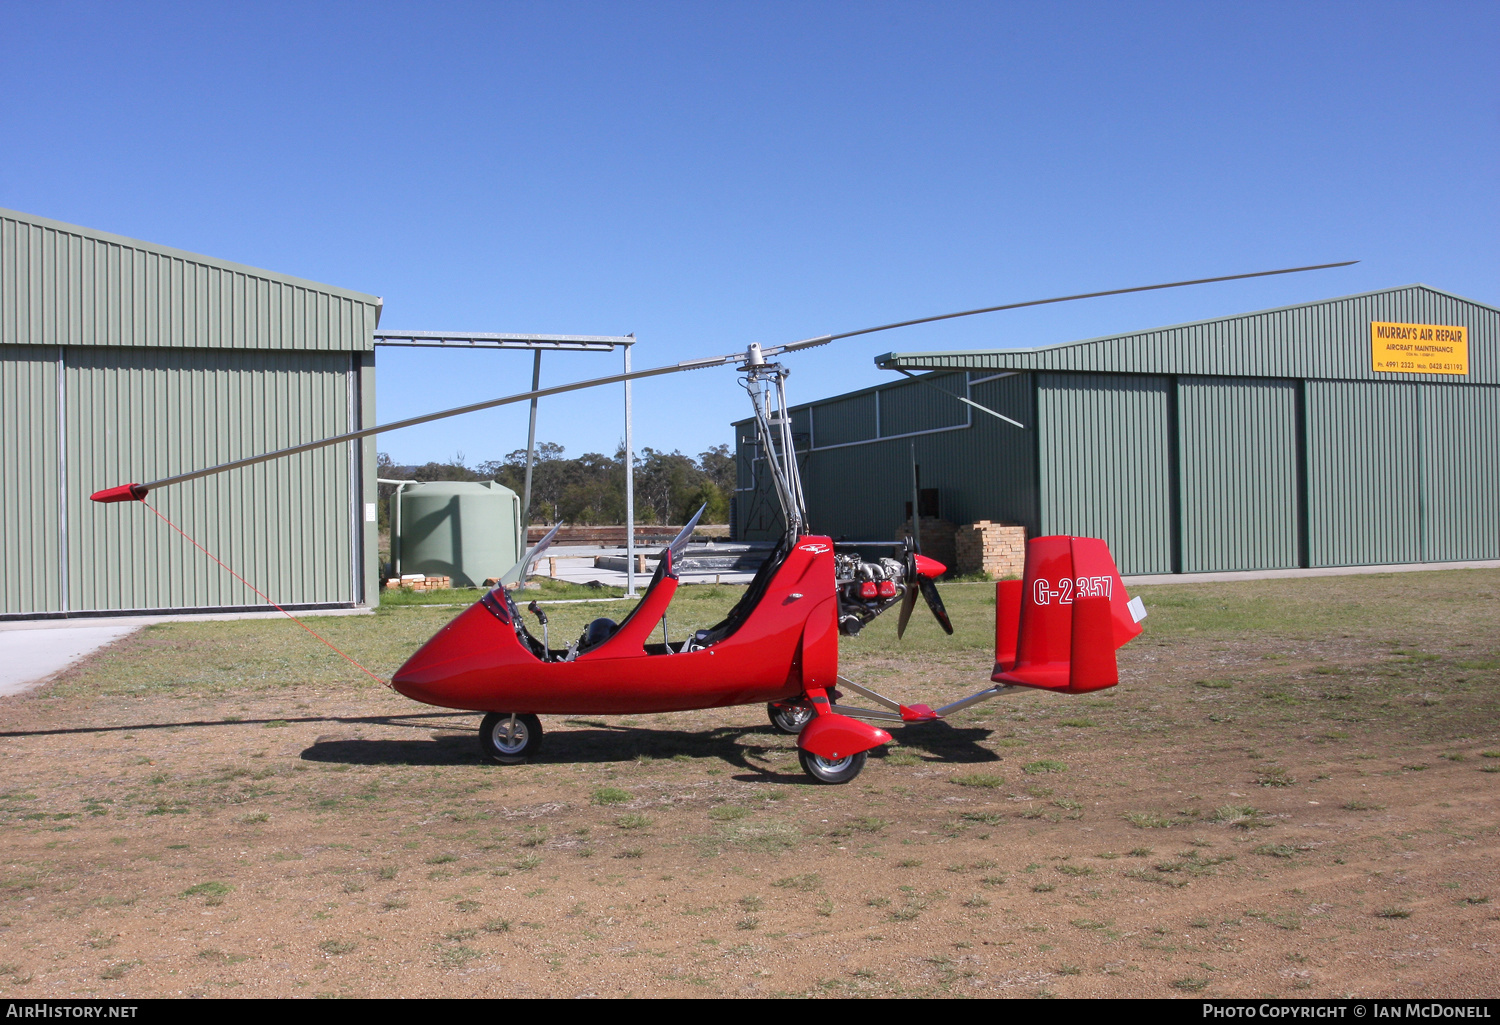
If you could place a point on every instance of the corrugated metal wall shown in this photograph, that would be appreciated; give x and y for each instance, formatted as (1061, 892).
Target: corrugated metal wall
(846, 420)
(912, 406)
(1237, 450)
(63, 285)
(149, 361)
(146, 413)
(1117, 451)
(1106, 464)
(859, 492)
(30, 526)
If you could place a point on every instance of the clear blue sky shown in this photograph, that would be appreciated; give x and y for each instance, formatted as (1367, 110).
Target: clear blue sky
(711, 174)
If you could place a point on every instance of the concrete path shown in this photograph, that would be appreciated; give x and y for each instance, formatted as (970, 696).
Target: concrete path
(32, 651)
(31, 655)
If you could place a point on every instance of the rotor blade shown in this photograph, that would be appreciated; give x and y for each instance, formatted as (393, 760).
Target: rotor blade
(935, 603)
(908, 602)
(139, 490)
(987, 409)
(825, 339)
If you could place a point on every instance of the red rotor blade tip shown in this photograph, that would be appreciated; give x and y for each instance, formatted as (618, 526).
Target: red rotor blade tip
(123, 493)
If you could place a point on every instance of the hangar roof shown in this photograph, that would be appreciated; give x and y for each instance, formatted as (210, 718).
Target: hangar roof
(1328, 339)
(61, 284)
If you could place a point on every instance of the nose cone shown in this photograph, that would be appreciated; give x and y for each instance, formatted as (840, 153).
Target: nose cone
(448, 668)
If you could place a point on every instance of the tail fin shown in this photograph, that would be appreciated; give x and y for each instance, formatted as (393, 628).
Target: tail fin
(1059, 627)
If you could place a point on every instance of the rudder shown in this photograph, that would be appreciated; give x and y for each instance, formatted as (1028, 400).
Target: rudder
(1058, 629)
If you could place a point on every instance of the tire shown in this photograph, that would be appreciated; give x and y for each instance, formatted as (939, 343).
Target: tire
(789, 718)
(841, 771)
(504, 748)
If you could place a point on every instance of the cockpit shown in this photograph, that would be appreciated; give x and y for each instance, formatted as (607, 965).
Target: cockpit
(648, 617)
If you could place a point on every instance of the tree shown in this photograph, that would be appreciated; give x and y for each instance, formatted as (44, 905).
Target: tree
(718, 465)
(669, 486)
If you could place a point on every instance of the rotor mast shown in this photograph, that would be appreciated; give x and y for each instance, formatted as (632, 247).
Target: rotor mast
(766, 385)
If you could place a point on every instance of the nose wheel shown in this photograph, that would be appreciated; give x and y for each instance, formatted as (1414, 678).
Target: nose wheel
(507, 738)
(831, 770)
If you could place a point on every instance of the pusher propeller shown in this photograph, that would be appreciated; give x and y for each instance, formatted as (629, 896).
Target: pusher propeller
(920, 571)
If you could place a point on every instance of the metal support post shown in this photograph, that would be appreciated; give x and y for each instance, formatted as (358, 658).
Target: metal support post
(629, 489)
(536, 383)
(916, 501)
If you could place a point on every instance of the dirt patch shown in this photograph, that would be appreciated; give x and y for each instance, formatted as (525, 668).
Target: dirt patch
(1251, 813)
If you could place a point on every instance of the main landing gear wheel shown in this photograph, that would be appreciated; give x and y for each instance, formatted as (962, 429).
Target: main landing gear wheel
(508, 739)
(789, 718)
(831, 770)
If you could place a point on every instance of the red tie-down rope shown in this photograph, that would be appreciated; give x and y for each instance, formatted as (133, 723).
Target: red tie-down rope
(263, 594)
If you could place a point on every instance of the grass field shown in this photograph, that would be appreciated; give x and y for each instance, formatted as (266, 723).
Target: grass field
(1291, 793)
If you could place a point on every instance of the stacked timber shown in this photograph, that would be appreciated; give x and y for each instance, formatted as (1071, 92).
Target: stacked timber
(419, 582)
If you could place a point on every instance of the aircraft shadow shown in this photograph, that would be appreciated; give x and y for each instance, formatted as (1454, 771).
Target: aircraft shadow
(944, 742)
(741, 747)
(595, 743)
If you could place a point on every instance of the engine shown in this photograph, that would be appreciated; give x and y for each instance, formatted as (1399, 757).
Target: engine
(866, 588)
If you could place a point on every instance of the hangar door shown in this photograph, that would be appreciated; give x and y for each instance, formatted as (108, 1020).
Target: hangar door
(1105, 466)
(288, 525)
(1237, 439)
(1364, 504)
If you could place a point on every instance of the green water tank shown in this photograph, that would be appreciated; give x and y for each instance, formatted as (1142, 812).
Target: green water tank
(466, 530)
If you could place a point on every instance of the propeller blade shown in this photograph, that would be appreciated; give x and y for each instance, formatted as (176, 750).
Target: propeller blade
(935, 603)
(908, 602)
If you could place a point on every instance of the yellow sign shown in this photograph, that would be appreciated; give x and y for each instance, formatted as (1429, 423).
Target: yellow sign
(1419, 348)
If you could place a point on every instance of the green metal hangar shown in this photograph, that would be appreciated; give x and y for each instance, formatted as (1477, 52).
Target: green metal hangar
(124, 361)
(1357, 431)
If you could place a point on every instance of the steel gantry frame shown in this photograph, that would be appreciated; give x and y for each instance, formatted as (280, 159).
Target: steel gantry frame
(538, 344)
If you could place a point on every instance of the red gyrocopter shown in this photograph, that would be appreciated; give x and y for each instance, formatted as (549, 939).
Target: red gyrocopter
(1056, 629)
